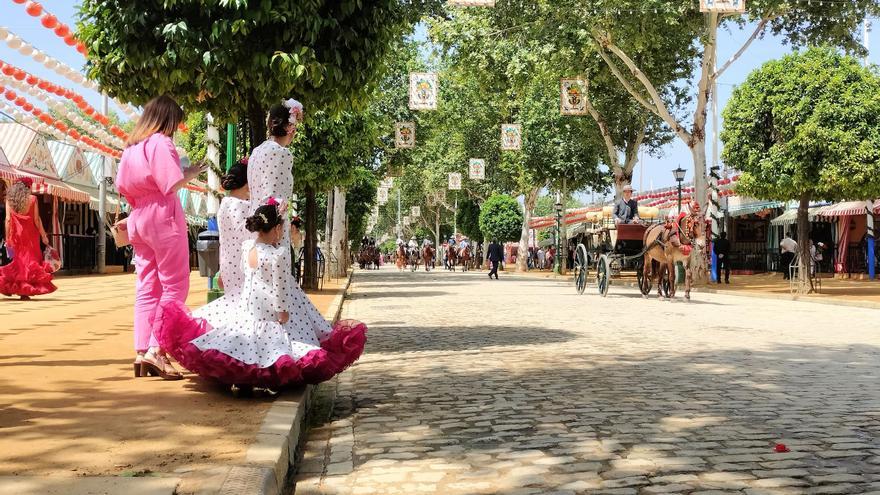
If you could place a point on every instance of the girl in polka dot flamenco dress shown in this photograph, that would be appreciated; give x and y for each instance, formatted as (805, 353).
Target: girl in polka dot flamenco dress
(274, 337)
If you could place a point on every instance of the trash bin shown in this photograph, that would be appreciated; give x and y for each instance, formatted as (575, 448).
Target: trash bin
(208, 249)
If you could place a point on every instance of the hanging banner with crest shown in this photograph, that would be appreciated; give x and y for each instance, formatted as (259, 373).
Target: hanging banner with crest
(454, 181)
(476, 169)
(423, 91)
(471, 3)
(511, 137)
(572, 95)
(724, 6)
(415, 211)
(382, 195)
(405, 135)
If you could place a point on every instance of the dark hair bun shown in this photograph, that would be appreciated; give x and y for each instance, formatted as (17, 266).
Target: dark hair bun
(264, 219)
(279, 118)
(235, 178)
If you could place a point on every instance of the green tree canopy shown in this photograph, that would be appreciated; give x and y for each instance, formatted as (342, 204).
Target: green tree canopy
(501, 218)
(467, 219)
(806, 127)
(236, 57)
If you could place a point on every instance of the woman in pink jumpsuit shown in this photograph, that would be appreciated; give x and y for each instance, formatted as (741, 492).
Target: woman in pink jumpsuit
(149, 177)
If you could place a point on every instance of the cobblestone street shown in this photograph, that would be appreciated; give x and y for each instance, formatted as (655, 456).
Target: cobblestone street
(520, 386)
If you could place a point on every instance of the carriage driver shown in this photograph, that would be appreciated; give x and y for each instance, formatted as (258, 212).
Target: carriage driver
(626, 210)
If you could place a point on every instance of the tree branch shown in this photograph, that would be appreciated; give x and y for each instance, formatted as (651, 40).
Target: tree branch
(758, 30)
(659, 106)
(613, 159)
(632, 148)
(625, 82)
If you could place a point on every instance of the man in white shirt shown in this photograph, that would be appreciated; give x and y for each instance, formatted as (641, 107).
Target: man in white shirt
(788, 248)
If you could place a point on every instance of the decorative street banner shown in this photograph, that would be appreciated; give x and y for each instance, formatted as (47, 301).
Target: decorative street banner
(723, 6)
(422, 91)
(416, 211)
(406, 220)
(476, 169)
(395, 171)
(387, 182)
(437, 197)
(382, 195)
(511, 137)
(454, 181)
(573, 92)
(405, 135)
(471, 3)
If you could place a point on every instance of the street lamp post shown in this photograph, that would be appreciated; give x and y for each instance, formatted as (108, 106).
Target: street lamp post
(557, 266)
(679, 174)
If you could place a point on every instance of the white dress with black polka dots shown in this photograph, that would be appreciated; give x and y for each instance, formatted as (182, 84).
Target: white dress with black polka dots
(230, 219)
(250, 332)
(270, 175)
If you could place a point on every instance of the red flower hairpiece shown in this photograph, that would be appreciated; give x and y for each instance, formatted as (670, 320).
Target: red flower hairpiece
(272, 201)
(243, 161)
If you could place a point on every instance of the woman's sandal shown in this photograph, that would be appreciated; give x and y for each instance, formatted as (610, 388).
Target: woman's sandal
(138, 361)
(161, 367)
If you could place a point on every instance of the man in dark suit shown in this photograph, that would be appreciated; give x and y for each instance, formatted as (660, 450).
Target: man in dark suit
(722, 251)
(495, 254)
(626, 210)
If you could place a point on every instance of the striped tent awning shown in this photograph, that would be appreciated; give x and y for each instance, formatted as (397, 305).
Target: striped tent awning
(55, 187)
(845, 209)
(790, 216)
(12, 174)
(749, 208)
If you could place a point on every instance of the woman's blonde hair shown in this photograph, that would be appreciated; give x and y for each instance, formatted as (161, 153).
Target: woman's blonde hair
(17, 196)
(162, 114)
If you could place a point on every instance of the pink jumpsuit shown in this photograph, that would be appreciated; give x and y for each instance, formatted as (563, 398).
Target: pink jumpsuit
(148, 172)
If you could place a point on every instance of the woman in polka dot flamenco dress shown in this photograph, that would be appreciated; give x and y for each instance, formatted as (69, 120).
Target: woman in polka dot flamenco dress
(275, 337)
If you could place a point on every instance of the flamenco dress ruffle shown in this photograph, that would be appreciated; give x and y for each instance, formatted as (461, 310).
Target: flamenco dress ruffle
(26, 278)
(279, 361)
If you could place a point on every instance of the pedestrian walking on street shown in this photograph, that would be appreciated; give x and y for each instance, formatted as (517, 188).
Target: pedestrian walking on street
(722, 252)
(149, 177)
(28, 274)
(495, 254)
(788, 247)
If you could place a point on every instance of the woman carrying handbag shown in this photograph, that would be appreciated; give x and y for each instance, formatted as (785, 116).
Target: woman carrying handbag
(149, 177)
(28, 274)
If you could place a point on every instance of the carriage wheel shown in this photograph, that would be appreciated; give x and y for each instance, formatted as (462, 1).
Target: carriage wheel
(645, 283)
(603, 274)
(581, 268)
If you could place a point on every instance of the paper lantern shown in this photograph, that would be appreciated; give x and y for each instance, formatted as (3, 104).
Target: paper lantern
(81, 48)
(49, 21)
(31, 79)
(19, 1)
(26, 50)
(3, 33)
(50, 63)
(8, 70)
(13, 41)
(19, 75)
(62, 30)
(70, 40)
(89, 111)
(38, 56)
(27, 107)
(34, 9)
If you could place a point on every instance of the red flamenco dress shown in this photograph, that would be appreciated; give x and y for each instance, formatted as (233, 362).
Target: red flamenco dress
(28, 274)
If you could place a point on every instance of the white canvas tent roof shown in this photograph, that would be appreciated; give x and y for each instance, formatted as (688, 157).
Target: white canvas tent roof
(71, 164)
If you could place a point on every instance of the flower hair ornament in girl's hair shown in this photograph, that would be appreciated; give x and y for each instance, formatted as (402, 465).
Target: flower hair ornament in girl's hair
(296, 109)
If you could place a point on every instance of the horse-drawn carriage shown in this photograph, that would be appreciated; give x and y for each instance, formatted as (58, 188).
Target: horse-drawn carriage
(650, 249)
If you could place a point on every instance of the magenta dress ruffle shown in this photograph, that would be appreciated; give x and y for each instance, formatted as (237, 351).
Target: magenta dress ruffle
(175, 329)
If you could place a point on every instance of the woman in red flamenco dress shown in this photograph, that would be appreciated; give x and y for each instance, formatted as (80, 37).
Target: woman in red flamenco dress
(28, 274)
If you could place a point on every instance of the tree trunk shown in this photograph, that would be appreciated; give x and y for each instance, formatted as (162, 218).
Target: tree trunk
(310, 264)
(326, 245)
(256, 116)
(523, 252)
(701, 188)
(437, 238)
(338, 238)
(805, 282)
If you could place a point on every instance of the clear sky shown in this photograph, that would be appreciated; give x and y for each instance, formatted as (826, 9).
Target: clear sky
(653, 171)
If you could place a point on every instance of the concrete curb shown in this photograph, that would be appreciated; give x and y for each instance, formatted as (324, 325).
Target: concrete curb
(272, 455)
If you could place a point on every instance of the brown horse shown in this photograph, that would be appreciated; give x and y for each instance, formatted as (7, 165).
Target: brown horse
(400, 258)
(451, 257)
(662, 254)
(428, 257)
(464, 255)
